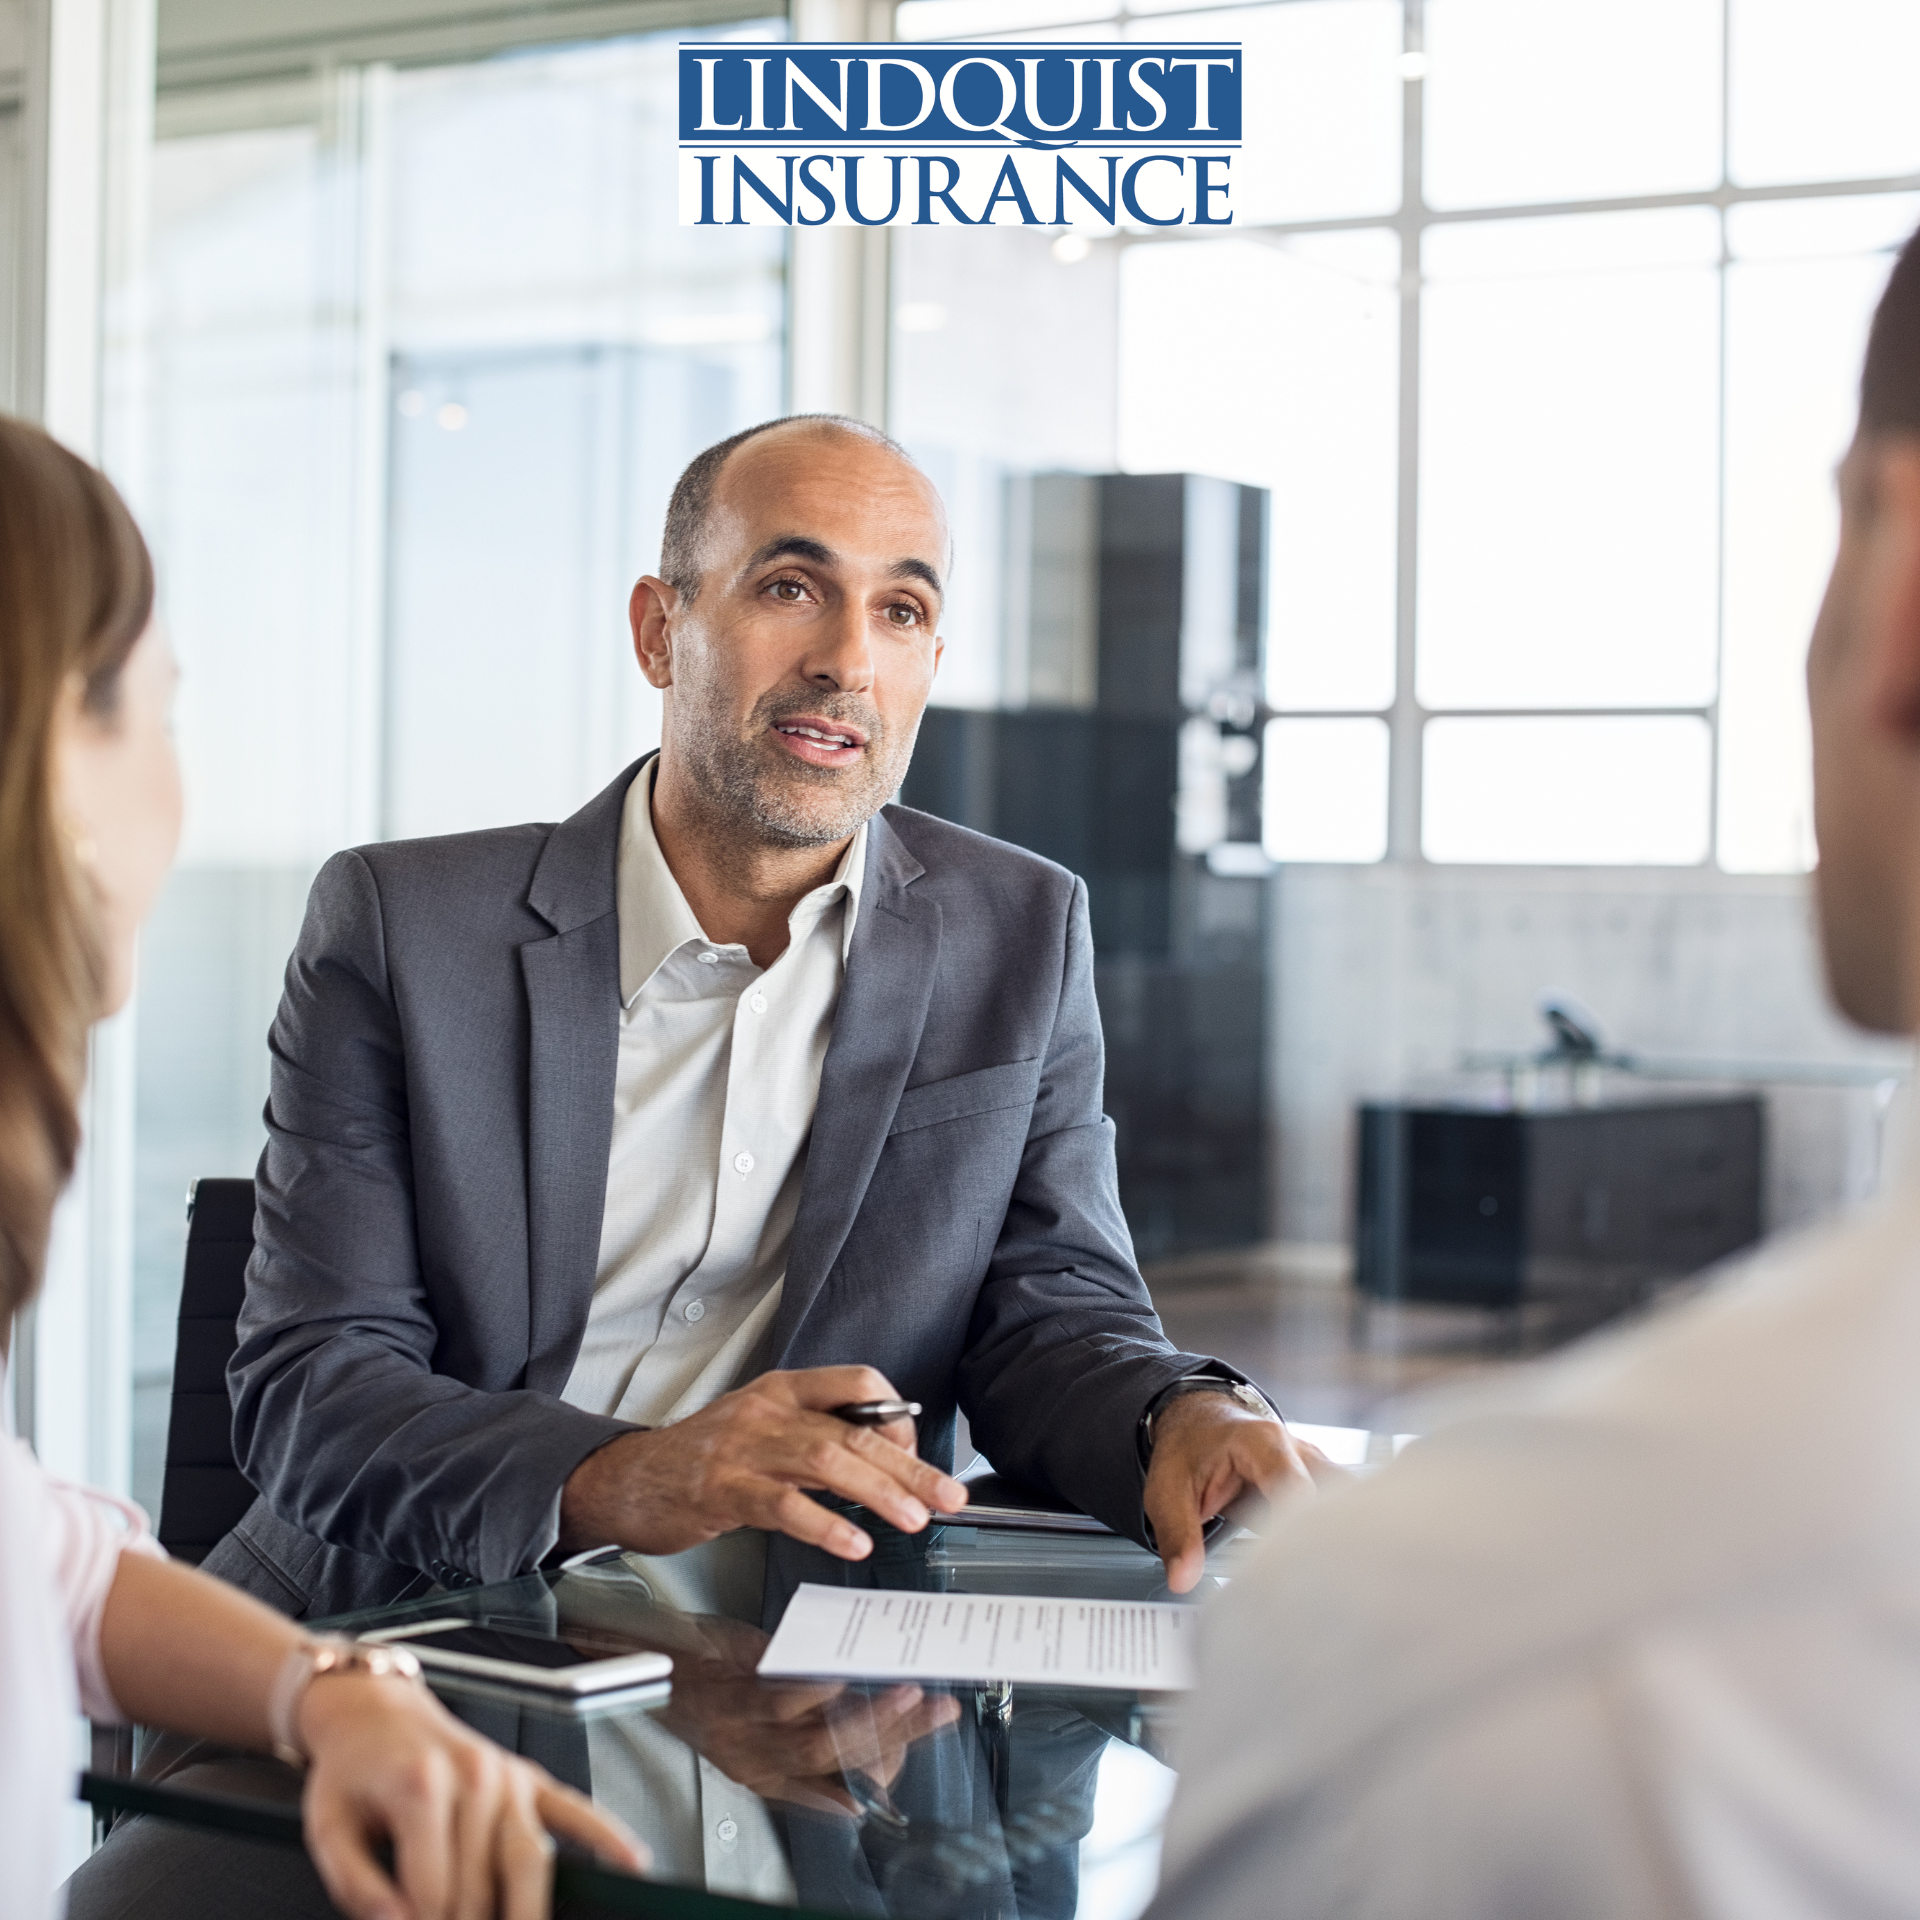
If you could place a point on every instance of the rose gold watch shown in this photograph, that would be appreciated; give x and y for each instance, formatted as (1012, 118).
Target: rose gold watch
(310, 1661)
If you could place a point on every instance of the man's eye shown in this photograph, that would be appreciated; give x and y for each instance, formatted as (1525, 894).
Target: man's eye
(903, 616)
(788, 590)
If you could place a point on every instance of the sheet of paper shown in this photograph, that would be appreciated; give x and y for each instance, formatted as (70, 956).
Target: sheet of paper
(866, 1633)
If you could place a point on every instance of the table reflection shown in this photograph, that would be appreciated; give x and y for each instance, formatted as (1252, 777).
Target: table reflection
(965, 1802)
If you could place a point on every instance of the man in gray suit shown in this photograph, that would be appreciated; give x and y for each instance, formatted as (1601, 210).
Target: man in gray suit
(605, 1159)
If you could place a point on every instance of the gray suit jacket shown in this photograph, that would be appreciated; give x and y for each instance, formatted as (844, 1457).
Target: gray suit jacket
(431, 1195)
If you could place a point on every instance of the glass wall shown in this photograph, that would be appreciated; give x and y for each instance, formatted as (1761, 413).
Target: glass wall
(424, 354)
(1538, 328)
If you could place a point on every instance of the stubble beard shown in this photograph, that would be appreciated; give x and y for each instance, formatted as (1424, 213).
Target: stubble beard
(752, 788)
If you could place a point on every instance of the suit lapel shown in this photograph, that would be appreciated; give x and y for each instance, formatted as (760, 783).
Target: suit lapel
(573, 1012)
(876, 1034)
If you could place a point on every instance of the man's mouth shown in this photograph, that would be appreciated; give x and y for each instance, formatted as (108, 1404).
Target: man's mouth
(821, 743)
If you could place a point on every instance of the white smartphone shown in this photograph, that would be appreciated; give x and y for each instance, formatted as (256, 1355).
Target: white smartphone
(518, 1658)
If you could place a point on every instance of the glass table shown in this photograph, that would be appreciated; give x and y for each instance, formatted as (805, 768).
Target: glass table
(959, 1802)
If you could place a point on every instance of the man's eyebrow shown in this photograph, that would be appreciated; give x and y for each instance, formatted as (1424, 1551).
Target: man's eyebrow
(797, 546)
(917, 570)
(801, 546)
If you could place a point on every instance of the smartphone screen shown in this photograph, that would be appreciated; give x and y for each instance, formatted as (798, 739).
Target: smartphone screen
(501, 1643)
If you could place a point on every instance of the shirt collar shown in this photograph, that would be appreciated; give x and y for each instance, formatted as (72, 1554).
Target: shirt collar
(655, 919)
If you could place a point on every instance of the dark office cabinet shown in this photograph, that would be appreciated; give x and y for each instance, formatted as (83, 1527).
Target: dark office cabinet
(1184, 1092)
(1143, 618)
(1498, 1209)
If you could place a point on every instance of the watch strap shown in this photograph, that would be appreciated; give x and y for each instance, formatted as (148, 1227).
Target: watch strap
(312, 1660)
(1244, 1391)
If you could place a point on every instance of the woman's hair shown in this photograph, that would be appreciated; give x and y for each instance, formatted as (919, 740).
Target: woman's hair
(76, 592)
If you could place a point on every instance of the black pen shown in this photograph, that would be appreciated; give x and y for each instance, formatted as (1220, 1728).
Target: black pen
(875, 1413)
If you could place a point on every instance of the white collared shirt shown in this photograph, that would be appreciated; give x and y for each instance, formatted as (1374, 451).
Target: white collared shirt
(713, 1105)
(1636, 1632)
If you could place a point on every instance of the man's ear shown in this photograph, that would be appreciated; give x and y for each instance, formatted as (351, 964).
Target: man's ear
(650, 613)
(1889, 625)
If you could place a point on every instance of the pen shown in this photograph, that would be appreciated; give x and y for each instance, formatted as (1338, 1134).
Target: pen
(875, 1413)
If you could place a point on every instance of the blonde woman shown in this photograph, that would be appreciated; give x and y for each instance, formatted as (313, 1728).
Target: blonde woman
(92, 1615)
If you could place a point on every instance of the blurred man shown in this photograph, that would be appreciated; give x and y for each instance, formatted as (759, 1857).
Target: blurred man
(1640, 1634)
(607, 1160)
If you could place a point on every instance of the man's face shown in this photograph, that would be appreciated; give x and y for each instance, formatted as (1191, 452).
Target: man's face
(797, 676)
(1865, 704)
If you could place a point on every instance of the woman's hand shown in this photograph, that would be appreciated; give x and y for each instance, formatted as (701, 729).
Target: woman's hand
(470, 1825)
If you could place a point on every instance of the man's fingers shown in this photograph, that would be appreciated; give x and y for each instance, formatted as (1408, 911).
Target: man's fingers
(836, 1468)
(789, 1511)
(338, 1846)
(1274, 1460)
(925, 1720)
(940, 1492)
(873, 1464)
(1311, 1463)
(815, 1796)
(853, 1708)
(887, 1725)
(1178, 1531)
(792, 1701)
(815, 1750)
(857, 1464)
(936, 1711)
(823, 1388)
(574, 1817)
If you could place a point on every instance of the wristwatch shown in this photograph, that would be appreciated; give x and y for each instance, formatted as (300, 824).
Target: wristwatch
(1248, 1395)
(310, 1661)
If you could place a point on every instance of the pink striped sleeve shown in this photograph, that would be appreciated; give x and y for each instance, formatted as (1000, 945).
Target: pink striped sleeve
(87, 1533)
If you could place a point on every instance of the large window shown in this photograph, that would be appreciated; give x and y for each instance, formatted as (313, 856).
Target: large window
(423, 354)
(1541, 324)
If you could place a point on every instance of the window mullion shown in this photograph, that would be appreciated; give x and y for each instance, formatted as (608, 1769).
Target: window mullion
(1403, 769)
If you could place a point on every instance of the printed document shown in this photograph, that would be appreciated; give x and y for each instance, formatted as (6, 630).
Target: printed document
(865, 1633)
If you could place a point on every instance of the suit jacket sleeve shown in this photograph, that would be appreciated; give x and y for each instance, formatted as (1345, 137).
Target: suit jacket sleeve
(340, 1420)
(1065, 1350)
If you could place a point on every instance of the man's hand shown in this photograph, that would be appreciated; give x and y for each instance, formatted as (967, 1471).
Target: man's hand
(800, 1745)
(749, 1460)
(795, 1742)
(1208, 1451)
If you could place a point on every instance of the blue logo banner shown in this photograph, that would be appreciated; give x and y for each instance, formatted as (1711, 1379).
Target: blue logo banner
(1019, 94)
(1015, 134)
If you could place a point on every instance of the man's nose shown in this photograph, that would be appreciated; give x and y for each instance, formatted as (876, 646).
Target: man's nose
(842, 652)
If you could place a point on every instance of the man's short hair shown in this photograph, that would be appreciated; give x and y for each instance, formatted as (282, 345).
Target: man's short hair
(1890, 382)
(686, 528)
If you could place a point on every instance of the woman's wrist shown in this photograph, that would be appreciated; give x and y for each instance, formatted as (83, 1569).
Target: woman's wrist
(329, 1657)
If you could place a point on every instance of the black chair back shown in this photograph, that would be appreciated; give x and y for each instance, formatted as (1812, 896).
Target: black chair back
(204, 1493)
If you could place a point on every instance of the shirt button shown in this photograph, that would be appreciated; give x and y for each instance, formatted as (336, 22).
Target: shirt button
(758, 1003)
(709, 959)
(728, 1831)
(743, 1163)
(696, 1309)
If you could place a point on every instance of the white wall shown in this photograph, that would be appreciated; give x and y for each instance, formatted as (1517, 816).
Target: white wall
(1384, 976)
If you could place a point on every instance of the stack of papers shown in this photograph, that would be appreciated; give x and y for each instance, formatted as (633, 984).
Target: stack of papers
(861, 1633)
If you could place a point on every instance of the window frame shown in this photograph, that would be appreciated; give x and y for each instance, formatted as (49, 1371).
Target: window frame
(1407, 717)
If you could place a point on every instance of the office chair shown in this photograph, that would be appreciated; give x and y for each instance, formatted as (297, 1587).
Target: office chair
(203, 1493)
